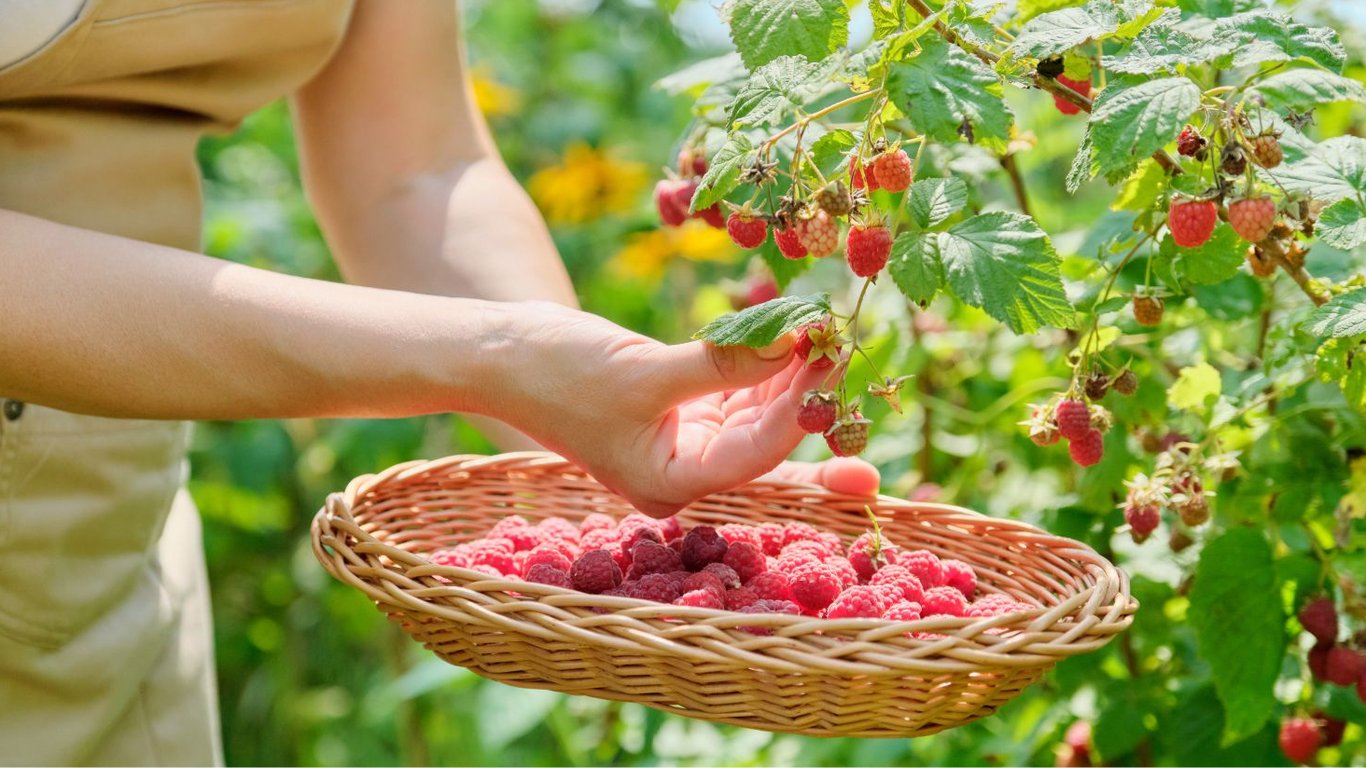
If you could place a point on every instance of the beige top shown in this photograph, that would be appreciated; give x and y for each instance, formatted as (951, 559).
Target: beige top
(105, 644)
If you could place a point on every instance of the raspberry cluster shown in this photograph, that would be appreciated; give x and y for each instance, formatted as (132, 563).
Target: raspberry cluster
(1330, 662)
(1071, 417)
(788, 568)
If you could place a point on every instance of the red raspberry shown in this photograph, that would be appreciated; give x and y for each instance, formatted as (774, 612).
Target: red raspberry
(746, 231)
(960, 576)
(818, 411)
(795, 532)
(1148, 310)
(865, 559)
(769, 606)
(734, 533)
(692, 161)
(702, 598)
(1266, 150)
(670, 528)
(843, 570)
(771, 537)
(771, 585)
(1331, 728)
(945, 601)
(1080, 86)
(1142, 520)
(867, 249)
(849, 436)
(995, 605)
(635, 537)
(595, 571)
(713, 216)
(703, 580)
(1318, 660)
(649, 557)
(819, 233)
(672, 198)
(493, 553)
(1345, 665)
(729, 578)
(802, 553)
(546, 554)
(814, 587)
(601, 538)
(888, 593)
(789, 243)
(507, 525)
(597, 522)
(542, 573)
(701, 546)
(925, 566)
(1252, 218)
(1189, 142)
(855, 602)
(902, 611)
(901, 577)
(893, 170)
(746, 560)
(558, 528)
(860, 180)
(451, 558)
(1087, 449)
(1192, 221)
(1073, 418)
(739, 598)
(659, 587)
(1300, 739)
(1320, 619)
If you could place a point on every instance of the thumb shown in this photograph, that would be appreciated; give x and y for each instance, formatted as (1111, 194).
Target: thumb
(699, 368)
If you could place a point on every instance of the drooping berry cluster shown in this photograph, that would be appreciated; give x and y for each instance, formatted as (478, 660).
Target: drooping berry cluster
(1331, 662)
(1082, 424)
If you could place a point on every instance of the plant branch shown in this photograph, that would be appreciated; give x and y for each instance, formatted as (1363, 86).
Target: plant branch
(1017, 183)
(818, 114)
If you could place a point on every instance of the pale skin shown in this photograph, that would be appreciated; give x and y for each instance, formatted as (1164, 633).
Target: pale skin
(410, 193)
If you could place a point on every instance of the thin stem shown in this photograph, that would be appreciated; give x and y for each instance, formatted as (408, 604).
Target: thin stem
(818, 114)
(1016, 183)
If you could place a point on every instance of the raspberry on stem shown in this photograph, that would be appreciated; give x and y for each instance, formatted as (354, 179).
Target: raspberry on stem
(893, 170)
(1252, 218)
(818, 411)
(789, 243)
(1192, 221)
(867, 248)
(746, 229)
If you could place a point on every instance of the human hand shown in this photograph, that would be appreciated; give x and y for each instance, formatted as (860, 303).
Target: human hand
(850, 475)
(662, 425)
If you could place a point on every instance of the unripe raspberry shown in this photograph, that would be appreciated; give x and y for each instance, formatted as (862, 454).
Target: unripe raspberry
(1148, 310)
(1233, 161)
(1087, 449)
(867, 249)
(893, 170)
(1126, 383)
(834, 199)
(1300, 739)
(819, 233)
(1073, 418)
(1192, 221)
(1266, 150)
(818, 411)
(1252, 218)
(746, 231)
(849, 436)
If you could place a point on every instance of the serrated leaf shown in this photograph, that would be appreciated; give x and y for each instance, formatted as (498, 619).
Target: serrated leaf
(1234, 596)
(1164, 46)
(934, 200)
(1342, 225)
(1334, 170)
(1215, 261)
(762, 324)
(1265, 36)
(763, 30)
(694, 77)
(1341, 362)
(1302, 88)
(1001, 262)
(1344, 315)
(1083, 164)
(1142, 187)
(830, 150)
(1059, 31)
(772, 90)
(915, 266)
(723, 173)
(1130, 123)
(944, 87)
(1028, 9)
(1195, 388)
(886, 16)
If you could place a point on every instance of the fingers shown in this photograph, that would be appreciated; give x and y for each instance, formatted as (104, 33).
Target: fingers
(853, 476)
(699, 368)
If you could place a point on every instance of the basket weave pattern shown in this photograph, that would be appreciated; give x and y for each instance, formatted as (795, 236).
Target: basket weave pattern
(847, 677)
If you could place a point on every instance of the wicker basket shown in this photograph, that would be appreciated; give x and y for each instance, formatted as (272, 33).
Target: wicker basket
(848, 677)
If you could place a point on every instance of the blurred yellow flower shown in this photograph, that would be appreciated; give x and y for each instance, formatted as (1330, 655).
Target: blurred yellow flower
(492, 97)
(647, 254)
(586, 184)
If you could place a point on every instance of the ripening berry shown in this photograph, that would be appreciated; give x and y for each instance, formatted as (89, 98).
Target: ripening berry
(849, 436)
(1192, 221)
(893, 170)
(692, 161)
(1252, 217)
(1142, 520)
(819, 233)
(1266, 150)
(1082, 87)
(745, 230)
(1300, 739)
(1148, 310)
(1126, 383)
(834, 199)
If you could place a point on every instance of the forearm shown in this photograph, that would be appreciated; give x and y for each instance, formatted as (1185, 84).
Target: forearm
(115, 327)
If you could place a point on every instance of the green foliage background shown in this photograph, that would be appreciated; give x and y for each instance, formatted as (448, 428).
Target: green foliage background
(310, 673)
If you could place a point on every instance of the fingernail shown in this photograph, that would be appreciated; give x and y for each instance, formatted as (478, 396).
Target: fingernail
(780, 348)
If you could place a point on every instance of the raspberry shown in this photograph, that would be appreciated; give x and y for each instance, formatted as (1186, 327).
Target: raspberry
(1082, 87)
(746, 560)
(849, 436)
(831, 542)
(746, 231)
(1300, 739)
(1148, 310)
(834, 199)
(1189, 142)
(1266, 150)
(795, 532)
(659, 587)
(1252, 218)
(789, 243)
(1097, 385)
(507, 525)
(1073, 418)
(712, 216)
(867, 556)
(672, 198)
(1142, 520)
(893, 170)
(771, 585)
(739, 598)
(995, 605)
(1318, 659)
(771, 538)
(1261, 264)
(1087, 449)
(702, 545)
(1179, 540)
(843, 571)
(1192, 221)
(1331, 728)
(640, 534)
(1126, 383)
(703, 580)
(818, 411)
(945, 601)
(451, 558)
(692, 161)
(546, 554)
(1195, 512)
(814, 587)
(1233, 161)
(1344, 666)
(817, 344)
(542, 573)
(702, 598)
(901, 577)
(595, 571)
(819, 233)
(729, 578)
(867, 249)
(858, 179)
(923, 565)
(888, 593)
(735, 533)
(670, 528)
(769, 606)
(960, 576)
(854, 603)
(649, 557)
(597, 522)
(558, 528)
(1320, 619)
(601, 538)
(903, 611)
(492, 553)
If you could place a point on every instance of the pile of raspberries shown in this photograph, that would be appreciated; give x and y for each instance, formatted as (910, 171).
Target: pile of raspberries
(790, 568)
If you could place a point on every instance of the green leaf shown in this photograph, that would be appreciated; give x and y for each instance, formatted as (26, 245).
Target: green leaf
(1234, 598)
(1195, 388)
(886, 16)
(830, 150)
(1083, 164)
(933, 200)
(1264, 36)
(1164, 46)
(1130, 123)
(915, 266)
(1142, 187)
(1342, 225)
(1028, 9)
(1060, 31)
(763, 30)
(1001, 262)
(783, 268)
(693, 78)
(762, 324)
(1302, 88)
(772, 90)
(723, 173)
(1335, 169)
(1341, 362)
(943, 87)
(1214, 262)
(1345, 315)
